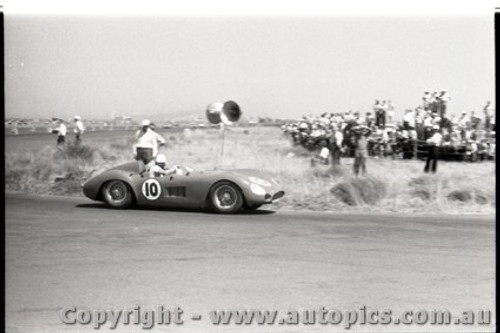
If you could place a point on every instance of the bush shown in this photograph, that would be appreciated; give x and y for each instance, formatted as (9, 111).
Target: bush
(76, 151)
(360, 191)
(469, 195)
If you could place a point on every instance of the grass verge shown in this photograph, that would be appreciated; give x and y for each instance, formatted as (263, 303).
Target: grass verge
(398, 186)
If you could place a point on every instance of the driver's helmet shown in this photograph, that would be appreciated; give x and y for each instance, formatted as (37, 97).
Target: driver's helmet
(161, 159)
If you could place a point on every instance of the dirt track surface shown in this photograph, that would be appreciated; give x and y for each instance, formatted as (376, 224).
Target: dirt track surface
(71, 251)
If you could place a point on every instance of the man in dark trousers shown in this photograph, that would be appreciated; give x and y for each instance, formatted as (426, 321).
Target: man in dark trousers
(361, 134)
(433, 144)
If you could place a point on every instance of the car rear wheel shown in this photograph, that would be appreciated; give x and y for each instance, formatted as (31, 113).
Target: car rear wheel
(226, 198)
(117, 194)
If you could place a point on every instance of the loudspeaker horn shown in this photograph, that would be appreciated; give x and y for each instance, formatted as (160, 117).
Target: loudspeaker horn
(228, 112)
(214, 111)
(231, 112)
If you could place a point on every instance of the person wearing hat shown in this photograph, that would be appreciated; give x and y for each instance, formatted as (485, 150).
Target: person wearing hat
(148, 142)
(434, 142)
(159, 169)
(78, 129)
(442, 99)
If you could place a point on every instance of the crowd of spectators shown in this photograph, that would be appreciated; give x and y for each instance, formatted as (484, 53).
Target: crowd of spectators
(468, 136)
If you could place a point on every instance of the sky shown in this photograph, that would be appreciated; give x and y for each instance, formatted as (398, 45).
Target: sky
(273, 64)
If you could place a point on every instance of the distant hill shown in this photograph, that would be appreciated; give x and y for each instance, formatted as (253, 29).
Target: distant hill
(172, 116)
(188, 115)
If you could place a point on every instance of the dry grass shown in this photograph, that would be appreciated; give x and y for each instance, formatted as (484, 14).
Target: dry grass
(398, 186)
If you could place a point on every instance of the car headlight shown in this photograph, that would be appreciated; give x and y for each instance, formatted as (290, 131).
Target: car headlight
(257, 189)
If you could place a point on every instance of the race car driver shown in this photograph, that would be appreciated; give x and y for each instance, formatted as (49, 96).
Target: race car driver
(159, 169)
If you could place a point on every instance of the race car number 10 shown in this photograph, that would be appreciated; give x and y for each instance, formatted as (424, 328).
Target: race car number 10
(151, 189)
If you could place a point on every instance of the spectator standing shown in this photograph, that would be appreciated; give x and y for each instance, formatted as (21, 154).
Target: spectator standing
(442, 99)
(370, 120)
(61, 131)
(427, 100)
(463, 121)
(487, 116)
(146, 147)
(383, 114)
(474, 121)
(427, 125)
(361, 134)
(390, 112)
(335, 143)
(409, 120)
(419, 123)
(433, 143)
(433, 103)
(78, 129)
(324, 152)
(377, 112)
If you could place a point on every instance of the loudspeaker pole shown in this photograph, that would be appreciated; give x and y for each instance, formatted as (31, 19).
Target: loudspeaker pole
(222, 133)
(222, 114)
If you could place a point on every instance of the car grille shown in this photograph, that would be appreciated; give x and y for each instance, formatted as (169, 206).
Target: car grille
(179, 191)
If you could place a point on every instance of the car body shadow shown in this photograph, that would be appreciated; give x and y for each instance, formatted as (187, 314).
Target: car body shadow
(170, 209)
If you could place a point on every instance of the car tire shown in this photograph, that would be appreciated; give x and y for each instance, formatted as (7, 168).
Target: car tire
(117, 194)
(225, 198)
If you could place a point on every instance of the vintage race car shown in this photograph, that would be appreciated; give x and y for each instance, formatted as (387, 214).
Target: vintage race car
(224, 191)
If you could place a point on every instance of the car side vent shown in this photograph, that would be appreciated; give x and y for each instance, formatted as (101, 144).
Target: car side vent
(179, 191)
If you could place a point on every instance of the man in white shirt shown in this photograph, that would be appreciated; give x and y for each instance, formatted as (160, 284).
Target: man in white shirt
(433, 145)
(409, 120)
(335, 144)
(148, 141)
(61, 132)
(78, 129)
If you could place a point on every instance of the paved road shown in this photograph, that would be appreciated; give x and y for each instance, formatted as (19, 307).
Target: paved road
(71, 251)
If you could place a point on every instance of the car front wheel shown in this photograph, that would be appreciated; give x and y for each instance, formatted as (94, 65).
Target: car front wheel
(117, 194)
(226, 198)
